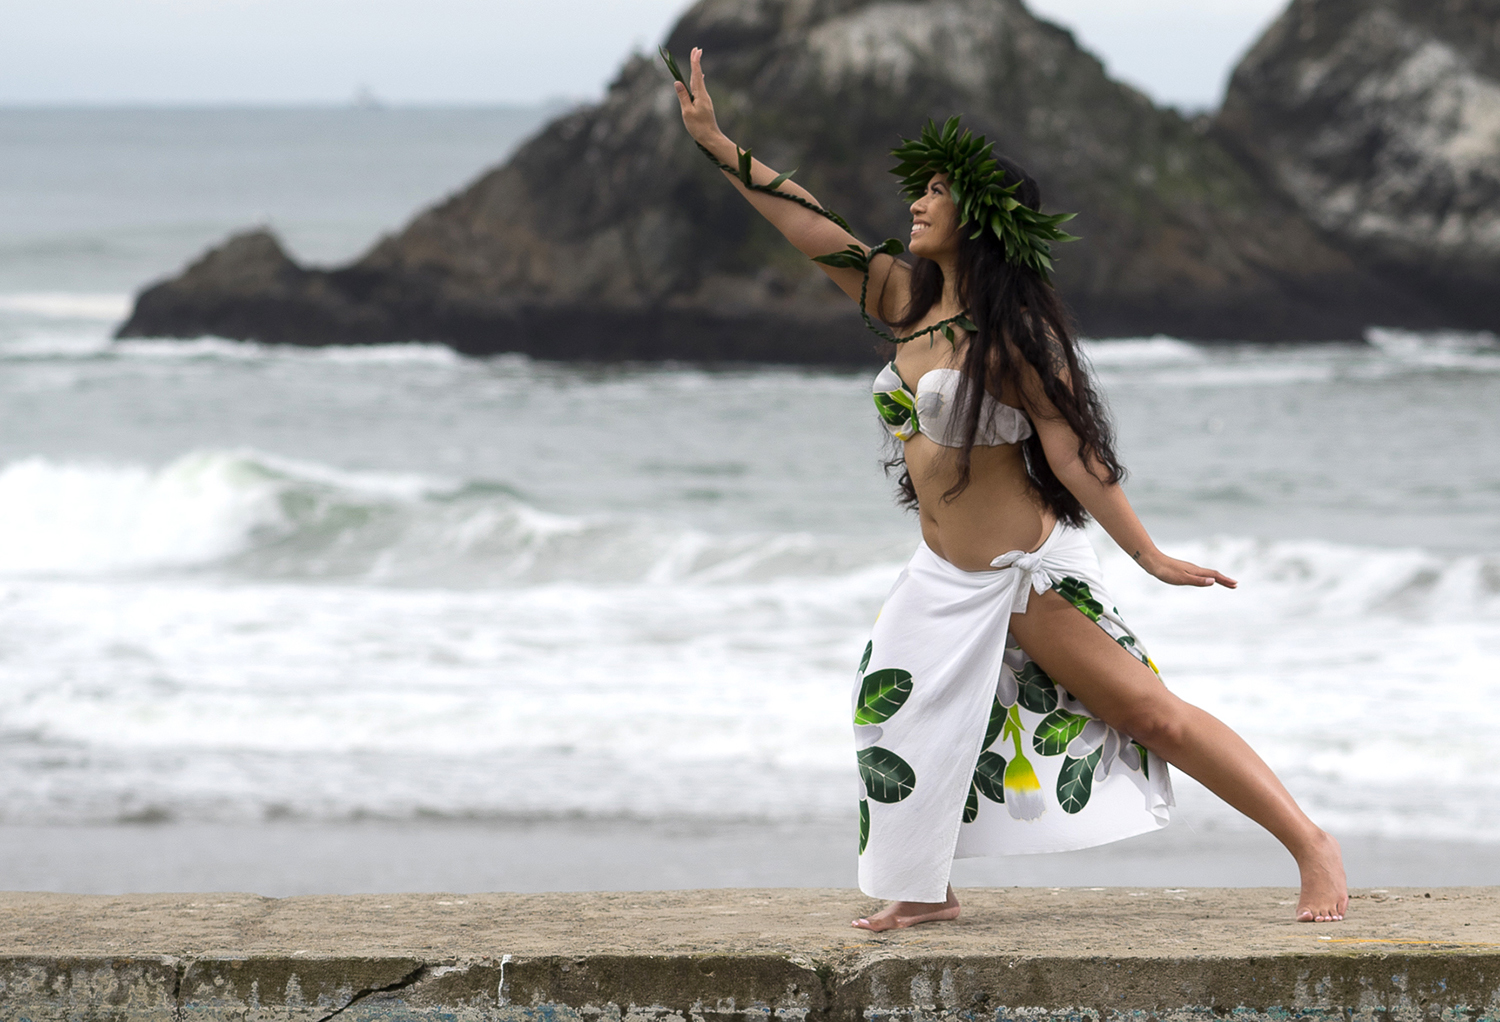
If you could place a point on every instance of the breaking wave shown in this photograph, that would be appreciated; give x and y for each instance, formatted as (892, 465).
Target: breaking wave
(256, 515)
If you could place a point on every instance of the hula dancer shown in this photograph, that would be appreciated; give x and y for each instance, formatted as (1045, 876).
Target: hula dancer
(1002, 705)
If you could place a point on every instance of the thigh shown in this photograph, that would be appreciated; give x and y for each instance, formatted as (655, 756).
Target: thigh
(1082, 658)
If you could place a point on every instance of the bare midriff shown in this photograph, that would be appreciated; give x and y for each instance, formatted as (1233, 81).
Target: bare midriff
(998, 511)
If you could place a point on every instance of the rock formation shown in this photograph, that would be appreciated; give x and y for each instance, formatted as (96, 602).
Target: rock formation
(1380, 120)
(609, 236)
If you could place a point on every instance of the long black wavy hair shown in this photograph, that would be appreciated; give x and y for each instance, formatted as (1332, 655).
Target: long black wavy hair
(1010, 302)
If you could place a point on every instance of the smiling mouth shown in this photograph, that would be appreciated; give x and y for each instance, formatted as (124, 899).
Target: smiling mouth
(918, 226)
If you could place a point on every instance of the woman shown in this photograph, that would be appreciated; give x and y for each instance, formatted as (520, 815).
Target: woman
(1007, 452)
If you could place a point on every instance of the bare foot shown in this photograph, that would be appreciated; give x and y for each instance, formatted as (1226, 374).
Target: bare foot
(900, 914)
(1325, 895)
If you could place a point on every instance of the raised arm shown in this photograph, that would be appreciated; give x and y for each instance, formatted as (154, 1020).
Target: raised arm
(1106, 501)
(812, 233)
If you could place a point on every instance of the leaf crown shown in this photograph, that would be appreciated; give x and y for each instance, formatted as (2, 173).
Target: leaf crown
(976, 182)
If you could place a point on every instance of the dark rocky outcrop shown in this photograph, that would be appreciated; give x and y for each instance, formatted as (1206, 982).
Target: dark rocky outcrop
(608, 236)
(1380, 120)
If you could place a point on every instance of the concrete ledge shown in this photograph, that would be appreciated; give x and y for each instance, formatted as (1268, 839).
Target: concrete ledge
(749, 956)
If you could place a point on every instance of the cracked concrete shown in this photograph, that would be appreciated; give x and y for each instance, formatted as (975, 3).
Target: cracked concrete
(749, 956)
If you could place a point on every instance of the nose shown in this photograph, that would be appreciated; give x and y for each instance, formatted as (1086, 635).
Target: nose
(919, 205)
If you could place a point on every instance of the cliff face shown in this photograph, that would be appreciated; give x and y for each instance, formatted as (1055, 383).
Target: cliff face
(609, 236)
(1380, 120)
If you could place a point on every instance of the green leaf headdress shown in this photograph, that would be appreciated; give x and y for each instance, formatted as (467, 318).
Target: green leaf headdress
(976, 182)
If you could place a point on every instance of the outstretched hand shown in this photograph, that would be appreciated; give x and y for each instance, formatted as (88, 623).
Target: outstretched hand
(1177, 572)
(697, 107)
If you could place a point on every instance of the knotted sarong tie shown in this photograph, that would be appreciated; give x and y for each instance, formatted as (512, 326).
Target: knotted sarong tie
(1033, 574)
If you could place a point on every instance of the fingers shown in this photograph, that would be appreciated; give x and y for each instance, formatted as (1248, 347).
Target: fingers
(1188, 573)
(696, 59)
(1209, 576)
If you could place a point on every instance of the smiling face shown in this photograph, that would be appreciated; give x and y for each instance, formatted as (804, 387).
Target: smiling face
(934, 221)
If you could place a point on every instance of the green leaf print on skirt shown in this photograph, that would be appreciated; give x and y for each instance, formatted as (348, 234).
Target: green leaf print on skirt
(989, 772)
(888, 778)
(881, 694)
(1056, 730)
(864, 824)
(1077, 592)
(864, 661)
(1075, 782)
(1034, 690)
(989, 776)
(998, 711)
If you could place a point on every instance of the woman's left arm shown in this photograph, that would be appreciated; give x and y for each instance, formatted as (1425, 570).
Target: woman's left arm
(1106, 501)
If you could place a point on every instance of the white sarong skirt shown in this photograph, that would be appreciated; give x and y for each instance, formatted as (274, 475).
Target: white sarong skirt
(966, 748)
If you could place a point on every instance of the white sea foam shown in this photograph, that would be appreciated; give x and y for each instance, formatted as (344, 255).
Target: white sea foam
(53, 344)
(68, 305)
(700, 675)
(75, 518)
(254, 515)
(1442, 349)
(1131, 351)
(683, 697)
(1168, 362)
(222, 348)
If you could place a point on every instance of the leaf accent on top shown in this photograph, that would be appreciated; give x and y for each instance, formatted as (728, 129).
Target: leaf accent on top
(896, 408)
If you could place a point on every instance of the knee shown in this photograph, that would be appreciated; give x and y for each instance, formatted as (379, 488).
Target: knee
(1157, 722)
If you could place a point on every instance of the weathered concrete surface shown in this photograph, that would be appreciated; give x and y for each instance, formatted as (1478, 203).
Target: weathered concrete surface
(727, 956)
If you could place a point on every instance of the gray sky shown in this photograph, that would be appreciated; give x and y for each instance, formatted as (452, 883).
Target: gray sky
(485, 51)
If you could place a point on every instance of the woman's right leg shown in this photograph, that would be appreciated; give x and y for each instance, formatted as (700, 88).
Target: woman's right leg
(1127, 695)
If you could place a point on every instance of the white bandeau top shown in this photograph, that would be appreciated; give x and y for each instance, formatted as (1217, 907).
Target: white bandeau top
(929, 411)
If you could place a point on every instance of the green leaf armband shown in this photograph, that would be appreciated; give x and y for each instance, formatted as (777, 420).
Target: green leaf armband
(977, 184)
(854, 257)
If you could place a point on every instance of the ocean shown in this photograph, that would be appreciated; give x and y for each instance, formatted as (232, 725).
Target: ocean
(385, 617)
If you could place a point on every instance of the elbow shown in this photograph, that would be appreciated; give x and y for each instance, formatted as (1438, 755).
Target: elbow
(1070, 471)
(1073, 472)
(1077, 478)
